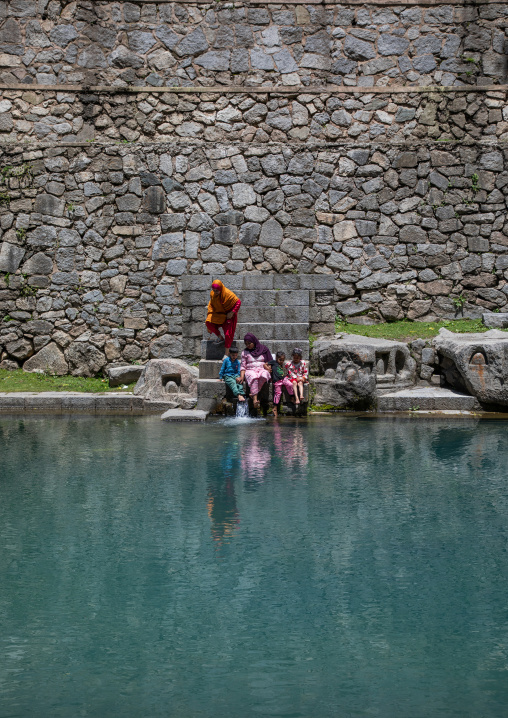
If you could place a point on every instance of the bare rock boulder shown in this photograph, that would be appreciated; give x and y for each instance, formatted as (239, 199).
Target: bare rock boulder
(84, 359)
(353, 369)
(476, 363)
(119, 375)
(159, 377)
(49, 360)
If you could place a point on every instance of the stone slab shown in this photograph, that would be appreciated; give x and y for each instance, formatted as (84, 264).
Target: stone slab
(269, 330)
(58, 402)
(209, 369)
(260, 281)
(184, 415)
(495, 320)
(427, 398)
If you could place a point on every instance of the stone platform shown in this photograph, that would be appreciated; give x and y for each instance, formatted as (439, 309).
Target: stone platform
(63, 402)
(425, 399)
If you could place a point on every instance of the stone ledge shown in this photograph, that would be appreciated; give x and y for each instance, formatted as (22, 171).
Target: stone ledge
(70, 402)
(272, 89)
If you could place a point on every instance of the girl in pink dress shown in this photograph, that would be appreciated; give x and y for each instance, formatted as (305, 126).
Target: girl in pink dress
(254, 357)
(298, 373)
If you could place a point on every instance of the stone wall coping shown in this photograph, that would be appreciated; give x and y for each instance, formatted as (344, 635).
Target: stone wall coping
(72, 401)
(241, 89)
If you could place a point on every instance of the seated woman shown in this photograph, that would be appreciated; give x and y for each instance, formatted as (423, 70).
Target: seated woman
(222, 312)
(254, 357)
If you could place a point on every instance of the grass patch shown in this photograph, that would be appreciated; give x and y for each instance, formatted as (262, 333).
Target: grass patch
(20, 380)
(407, 331)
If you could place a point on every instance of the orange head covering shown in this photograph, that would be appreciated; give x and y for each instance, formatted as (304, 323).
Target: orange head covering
(220, 304)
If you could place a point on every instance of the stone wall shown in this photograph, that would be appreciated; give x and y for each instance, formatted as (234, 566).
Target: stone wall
(303, 143)
(207, 43)
(302, 117)
(95, 238)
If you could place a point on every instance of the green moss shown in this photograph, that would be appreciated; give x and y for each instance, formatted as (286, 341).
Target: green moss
(323, 407)
(19, 380)
(407, 331)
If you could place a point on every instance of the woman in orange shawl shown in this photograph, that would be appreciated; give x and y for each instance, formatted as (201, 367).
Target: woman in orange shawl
(222, 312)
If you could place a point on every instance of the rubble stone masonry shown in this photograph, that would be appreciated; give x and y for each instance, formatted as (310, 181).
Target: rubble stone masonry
(142, 142)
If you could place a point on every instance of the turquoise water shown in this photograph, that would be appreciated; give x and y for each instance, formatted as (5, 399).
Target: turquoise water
(320, 568)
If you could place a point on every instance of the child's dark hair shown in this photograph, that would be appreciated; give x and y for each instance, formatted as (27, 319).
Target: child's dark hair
(233, 349)
(279, 355)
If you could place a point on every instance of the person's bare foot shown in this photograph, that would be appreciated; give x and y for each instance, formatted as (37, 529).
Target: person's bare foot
(293, 398)
(256, 404)
(297, 400)
(241, 398)
(275, 412)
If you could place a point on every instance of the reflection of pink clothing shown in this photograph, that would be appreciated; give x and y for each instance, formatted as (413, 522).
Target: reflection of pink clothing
(255, 373)
(277, 388)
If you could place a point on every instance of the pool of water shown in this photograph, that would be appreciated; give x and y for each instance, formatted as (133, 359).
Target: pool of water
(317, 568)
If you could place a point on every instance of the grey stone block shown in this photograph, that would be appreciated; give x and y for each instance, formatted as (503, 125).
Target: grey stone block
(78, 402)
(9, 402)
(124, 374)
(258, 281)
(292, 298)
(10, 257)
(184, 415)
(426, 399)
(495, 320)
(287, 281)
(211, 349)
(276, 332)
(258, 297)
(209, 368)
(211, 389)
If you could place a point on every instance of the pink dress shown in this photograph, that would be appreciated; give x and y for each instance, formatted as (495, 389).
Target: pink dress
(255, 373)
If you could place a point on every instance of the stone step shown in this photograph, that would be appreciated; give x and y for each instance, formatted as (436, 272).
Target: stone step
(238, 282)
(279, 315)
(276, 332)
(215, 350)
(209, 368)
(427, 398)
(254, 298)
(215, 389)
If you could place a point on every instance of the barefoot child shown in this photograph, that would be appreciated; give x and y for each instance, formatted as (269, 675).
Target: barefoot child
(298, 373)
(230, 374)
(279, 379)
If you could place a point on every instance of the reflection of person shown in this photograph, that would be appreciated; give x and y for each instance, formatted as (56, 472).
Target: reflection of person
(291, 447)
(222, 312)
(230, 374)
(280, 379)
(221, 505)
(298, 373)
(222, 508)
(254, 357)
(255, 461)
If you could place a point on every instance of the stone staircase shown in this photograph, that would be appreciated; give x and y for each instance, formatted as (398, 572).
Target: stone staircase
(278, 309)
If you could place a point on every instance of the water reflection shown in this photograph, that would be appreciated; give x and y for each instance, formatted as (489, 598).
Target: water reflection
(222, 505)
(362, 569)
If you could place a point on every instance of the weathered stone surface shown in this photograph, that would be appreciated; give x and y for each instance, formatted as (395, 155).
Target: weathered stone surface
(49, 360)
(84, 359)
(160, 374)
(475, 363)
(355, 367)
(495, 320)
(38, 264)
(10, 257)
(119, 375)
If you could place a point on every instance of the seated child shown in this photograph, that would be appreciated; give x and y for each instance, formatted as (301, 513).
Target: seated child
(298, 373)
(230, 374)
(280, 378)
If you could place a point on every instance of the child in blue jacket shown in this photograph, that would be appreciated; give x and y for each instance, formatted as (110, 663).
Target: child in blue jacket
(230, 374)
